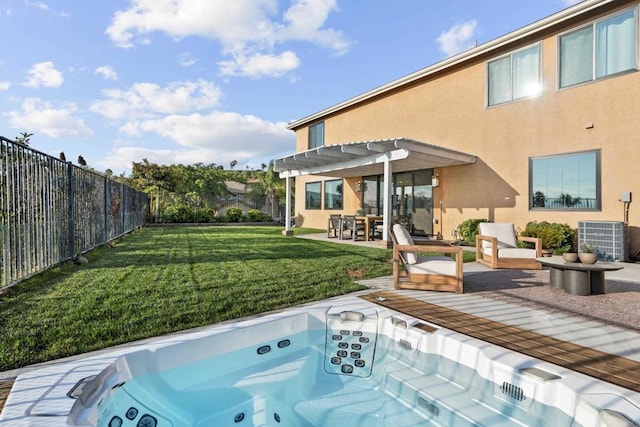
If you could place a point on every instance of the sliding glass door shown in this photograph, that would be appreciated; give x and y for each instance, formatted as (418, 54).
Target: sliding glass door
(411, 203)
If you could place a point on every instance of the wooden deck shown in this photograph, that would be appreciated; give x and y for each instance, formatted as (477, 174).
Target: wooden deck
(5, 389)
(597, 364)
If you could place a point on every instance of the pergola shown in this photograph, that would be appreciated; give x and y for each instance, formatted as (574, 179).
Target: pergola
(355, 159)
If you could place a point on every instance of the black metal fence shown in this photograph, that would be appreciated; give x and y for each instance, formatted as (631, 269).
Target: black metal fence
(51, 210)
(565, 201)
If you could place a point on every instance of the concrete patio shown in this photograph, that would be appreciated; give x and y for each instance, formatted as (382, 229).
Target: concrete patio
(523, 298)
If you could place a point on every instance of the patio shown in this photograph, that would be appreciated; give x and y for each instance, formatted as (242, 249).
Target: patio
(523, 298)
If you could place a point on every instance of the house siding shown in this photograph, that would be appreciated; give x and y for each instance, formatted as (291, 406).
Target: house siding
(449, 109)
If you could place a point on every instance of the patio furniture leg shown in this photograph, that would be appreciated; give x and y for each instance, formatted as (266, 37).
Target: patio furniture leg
(597, 282)
(577, 282)
(556, 278)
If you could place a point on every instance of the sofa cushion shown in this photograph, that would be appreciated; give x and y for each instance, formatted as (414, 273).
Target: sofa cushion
(433, 265)
(516, 253)
(404, 238)
(505, 232)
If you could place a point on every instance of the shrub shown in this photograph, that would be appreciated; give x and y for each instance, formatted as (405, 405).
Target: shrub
(255, 215)
(555, 236)
(469, 228)
(234, 214)
(177, 213)
(204, 215)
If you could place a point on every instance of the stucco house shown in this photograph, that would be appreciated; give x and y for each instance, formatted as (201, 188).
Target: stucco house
(540, 124)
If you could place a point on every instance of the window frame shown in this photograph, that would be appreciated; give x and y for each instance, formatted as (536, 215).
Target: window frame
(594, 48)
(597, 183)
(512, 89)
(312, 137)
(326, 197)
(307, 205)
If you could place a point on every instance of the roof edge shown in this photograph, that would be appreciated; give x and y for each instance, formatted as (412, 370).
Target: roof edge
(526, 31)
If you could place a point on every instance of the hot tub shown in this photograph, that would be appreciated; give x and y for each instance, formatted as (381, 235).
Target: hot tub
(343, 362)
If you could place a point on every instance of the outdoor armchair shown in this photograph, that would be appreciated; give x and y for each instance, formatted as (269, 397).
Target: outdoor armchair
(356, 227)
(437, 271)
(497, 247)
(334, 225)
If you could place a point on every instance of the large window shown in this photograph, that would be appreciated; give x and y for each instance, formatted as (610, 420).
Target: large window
(601, 49)
(568, 181)
(333, 194)
(514, 76)
(312, 195)
(316, 135)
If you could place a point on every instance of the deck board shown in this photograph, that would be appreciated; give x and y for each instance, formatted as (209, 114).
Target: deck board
(5, 389)
(597, 364)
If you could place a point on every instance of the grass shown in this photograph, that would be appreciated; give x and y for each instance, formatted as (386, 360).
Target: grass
(161, 280)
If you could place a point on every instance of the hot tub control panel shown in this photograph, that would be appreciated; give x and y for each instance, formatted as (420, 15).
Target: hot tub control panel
(350, 343)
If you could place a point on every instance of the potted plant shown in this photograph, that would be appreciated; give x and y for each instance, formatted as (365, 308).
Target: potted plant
(570, 257)
(587, 253)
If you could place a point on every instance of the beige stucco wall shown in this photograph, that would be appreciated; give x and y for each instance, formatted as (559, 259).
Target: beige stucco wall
(450, 111)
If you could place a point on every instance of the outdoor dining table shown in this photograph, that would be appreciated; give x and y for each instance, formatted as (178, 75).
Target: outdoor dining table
(368, 222)
(577, 278)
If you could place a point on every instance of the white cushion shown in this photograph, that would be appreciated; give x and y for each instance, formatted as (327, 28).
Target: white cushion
(404, 238)
(504, 232)
(433, 265)
(516, 253)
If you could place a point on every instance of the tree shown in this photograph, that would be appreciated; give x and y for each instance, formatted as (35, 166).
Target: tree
(270, 185)
(569, 201)
(24, 138)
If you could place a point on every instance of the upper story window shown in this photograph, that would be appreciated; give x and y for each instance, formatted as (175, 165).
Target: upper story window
(598, 50)
(333, 194)
(566, 181)
(514, 76)
(316, 135)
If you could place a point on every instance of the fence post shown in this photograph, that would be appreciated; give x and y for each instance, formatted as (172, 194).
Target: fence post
(106, 207)
(70, 204)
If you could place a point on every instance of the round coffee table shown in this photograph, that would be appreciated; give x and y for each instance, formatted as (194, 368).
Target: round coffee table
(576, 278)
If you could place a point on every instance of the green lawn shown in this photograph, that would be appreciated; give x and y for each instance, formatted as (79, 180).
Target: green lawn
(165, 279)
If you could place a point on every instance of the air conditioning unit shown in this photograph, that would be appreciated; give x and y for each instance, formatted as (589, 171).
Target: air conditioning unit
(610, 238)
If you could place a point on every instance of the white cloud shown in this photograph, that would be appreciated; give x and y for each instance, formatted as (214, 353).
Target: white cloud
(260, 65)
(41, 117)
(458, 38)
(186, 59)
(38, 5)
(213, 138)
(121, 157)
(244, 28)
(44, 74)
(45, 8)
(107, 72)
(226, 132)
(4, 85)
(305, 19)
(148, 100)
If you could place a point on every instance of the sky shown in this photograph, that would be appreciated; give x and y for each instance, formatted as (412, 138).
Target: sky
(216, 81)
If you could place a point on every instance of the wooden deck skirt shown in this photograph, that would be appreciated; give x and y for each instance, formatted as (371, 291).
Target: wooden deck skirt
(597, 364)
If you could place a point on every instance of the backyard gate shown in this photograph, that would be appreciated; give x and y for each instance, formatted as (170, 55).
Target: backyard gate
(51, 210)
